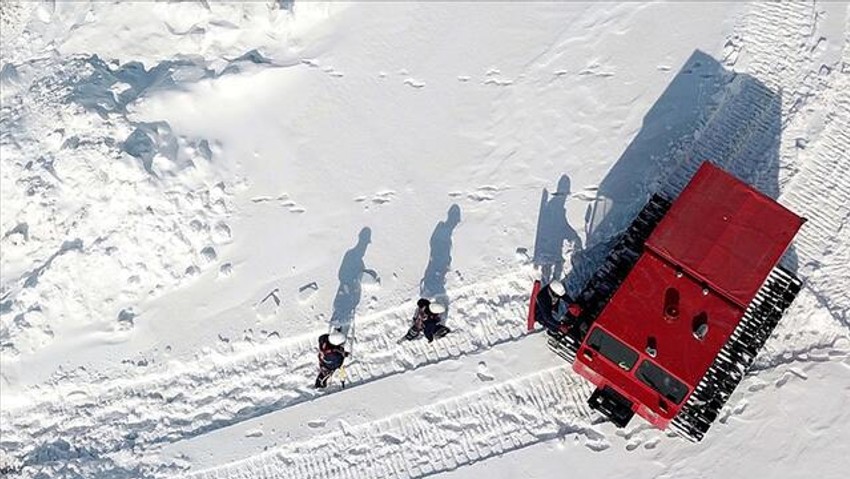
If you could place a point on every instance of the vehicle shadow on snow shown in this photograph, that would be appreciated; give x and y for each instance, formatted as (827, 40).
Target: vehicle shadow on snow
(433, 282)
(706, 113)
(351, 274)
(553, 230)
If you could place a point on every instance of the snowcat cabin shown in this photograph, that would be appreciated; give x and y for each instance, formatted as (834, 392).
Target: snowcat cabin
(676, 336)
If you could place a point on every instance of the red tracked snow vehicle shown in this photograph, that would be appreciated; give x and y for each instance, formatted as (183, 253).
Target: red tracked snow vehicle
(674, 318)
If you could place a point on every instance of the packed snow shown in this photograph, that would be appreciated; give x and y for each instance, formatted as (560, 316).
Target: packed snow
(192, 192)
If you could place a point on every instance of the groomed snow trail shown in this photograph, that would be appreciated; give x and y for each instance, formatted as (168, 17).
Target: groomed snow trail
(746, 126)
(72, 430)
(218, 390)
(821, 193)
(441, 437)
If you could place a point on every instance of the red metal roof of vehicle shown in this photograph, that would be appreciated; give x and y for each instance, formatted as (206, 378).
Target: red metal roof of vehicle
(725, 233)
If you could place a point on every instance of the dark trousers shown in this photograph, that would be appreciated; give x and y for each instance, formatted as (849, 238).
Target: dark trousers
(323, 377)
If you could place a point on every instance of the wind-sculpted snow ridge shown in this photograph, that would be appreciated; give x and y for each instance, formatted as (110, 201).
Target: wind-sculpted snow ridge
(99, 212)
(437, 438)
(215, 391)
(73, 178)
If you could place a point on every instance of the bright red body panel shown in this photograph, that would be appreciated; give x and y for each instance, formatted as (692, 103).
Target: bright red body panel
(532, 305)
(725, 233)
(711, 253)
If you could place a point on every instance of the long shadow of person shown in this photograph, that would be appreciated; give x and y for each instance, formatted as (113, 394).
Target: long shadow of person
(433, 283)
(553, 231)
(351, 273)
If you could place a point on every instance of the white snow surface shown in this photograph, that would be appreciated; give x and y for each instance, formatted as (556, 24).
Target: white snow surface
(192, 192)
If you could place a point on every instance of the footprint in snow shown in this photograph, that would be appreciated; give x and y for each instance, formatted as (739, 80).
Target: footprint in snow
(332, 71)
(483, 193)
(483, 372)
(208, 254)
(316, 423)
(522, 255)
(306, 292)
(383, 197)
(225, 270)
(221, 233)
(283, 200)
(498, 82)
(269, 305)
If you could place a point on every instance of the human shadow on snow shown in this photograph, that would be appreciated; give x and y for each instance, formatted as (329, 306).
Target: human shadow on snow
(706, 113)
(433, 283)
(351, 274)
(553, 231)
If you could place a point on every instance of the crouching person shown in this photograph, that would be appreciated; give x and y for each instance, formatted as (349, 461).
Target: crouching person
(427, 319)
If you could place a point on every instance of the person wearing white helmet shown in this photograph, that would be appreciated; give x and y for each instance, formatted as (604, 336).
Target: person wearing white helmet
(331, 356)
(551, 305)
(433, 325)
(557, 288)
(336, 338)
(427, 319)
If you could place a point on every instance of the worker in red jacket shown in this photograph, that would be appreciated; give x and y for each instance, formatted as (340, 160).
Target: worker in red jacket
(331, 356)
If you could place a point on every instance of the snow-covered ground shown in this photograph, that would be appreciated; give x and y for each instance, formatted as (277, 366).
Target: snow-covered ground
(192, 192)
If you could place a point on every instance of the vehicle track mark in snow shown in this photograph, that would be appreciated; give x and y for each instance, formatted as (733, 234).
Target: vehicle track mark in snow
(779, 39)
(219, 390)
(821, 193)
(783, 45)
(437, 438)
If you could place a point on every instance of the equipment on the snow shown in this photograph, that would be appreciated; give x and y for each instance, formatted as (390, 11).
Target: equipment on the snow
(343, 375)
(669, 325)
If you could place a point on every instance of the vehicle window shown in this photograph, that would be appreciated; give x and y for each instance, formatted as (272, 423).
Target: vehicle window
(666, 385)
(611, 348)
